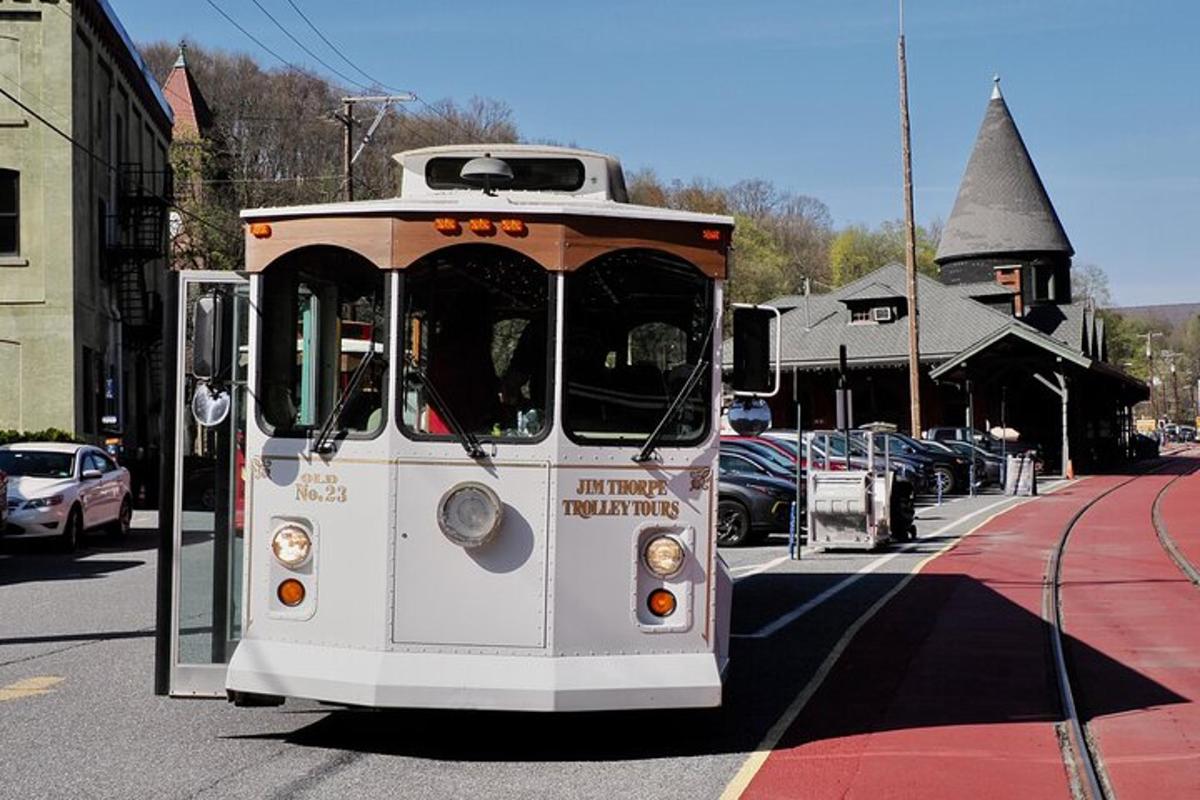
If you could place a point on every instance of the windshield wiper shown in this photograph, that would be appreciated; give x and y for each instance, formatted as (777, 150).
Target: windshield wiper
(680, 397)
(321, 442)
(467, 439)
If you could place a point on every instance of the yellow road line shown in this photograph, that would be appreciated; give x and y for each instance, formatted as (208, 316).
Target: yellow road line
(29, 687)
(755, 760)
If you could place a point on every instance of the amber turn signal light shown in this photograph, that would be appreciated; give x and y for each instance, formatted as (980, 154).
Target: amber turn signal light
(291, 592)
(482, 226)
(260, 230)
(661, 603)
(447, 225)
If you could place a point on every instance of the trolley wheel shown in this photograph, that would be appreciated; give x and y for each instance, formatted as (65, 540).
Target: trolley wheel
(733, 523)
(251, 700)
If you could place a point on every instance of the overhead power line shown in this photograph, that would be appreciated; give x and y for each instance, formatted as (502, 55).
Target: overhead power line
(253, 38)
(108, 165)
(341, 54)
(304, 47)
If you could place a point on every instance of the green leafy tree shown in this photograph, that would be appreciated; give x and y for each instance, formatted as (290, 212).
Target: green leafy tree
(858, 250)
(759, 269)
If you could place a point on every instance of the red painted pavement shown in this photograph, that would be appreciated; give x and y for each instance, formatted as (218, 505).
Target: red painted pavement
(948, 691)
(1123, 596)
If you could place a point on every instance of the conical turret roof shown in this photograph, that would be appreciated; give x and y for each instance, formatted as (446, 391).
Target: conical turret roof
(1002, 206)
(192, 115)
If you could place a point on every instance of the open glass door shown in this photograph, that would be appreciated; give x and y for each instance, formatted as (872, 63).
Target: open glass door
(202, 516)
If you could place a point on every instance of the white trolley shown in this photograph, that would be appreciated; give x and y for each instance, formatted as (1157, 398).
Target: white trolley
(471, 450)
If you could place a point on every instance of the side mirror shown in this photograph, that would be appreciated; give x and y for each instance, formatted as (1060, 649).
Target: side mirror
(209, 359)
(90, 474)
(752, 373)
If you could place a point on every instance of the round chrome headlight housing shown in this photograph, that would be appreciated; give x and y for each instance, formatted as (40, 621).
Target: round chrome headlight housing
(664, 556)
(470, 514)
(292, 545)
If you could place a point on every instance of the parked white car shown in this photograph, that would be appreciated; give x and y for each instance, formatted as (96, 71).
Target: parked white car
(61, 490)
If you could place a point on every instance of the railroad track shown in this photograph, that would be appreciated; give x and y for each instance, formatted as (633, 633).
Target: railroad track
(1080, 751)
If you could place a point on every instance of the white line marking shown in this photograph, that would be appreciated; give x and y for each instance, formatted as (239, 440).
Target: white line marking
(771, 628)
(758, 569)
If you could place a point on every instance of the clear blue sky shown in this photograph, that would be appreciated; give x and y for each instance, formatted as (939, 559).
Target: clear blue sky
(1106, 94)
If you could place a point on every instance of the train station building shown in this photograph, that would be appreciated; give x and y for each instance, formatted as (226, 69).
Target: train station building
(1001, 338)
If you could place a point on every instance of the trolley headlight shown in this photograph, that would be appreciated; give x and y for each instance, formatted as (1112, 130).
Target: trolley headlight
(663, 556)
(470, 514)
(292, 545)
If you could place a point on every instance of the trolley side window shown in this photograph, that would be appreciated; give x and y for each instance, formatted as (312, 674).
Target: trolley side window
(324, 334)
(477, 334)
(637, 323)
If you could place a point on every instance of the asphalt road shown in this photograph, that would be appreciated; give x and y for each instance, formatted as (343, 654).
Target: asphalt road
(78, 717)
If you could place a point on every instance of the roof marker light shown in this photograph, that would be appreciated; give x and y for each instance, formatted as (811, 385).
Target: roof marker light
(260, 230)
(482, 226)
(711, 234)
(447, 225)
(513, 227)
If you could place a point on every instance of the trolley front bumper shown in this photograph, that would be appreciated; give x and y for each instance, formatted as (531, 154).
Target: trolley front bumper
(474, 681)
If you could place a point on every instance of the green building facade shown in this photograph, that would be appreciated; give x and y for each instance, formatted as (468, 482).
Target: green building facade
(82, 225)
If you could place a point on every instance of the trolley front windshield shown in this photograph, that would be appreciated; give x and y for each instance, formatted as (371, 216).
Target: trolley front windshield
(638, 324)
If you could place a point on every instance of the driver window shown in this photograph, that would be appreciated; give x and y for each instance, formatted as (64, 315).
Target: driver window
(324, 334)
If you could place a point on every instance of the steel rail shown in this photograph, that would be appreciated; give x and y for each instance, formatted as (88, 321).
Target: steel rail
(1165, 539)
(1095, 782)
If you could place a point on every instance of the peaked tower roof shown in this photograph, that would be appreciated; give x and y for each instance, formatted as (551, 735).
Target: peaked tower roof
(192, 115)
(1002, 206)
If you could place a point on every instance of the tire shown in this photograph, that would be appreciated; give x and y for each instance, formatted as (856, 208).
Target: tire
(72, 532)
(947, 476)
(733, 523)
(119, 527)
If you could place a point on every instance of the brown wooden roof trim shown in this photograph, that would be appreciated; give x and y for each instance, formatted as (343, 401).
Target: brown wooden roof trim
(558, 244)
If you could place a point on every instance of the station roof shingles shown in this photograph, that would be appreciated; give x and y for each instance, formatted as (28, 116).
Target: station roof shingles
(948, 322)
(1002, 206)
(951, 321)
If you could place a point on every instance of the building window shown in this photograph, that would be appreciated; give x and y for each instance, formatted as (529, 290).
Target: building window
(860, 315)
(10, 217)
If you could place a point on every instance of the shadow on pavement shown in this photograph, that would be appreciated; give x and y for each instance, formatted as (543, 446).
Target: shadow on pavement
(947, 651)
(26, 560)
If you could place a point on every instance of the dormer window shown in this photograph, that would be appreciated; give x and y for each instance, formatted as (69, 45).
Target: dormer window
(871, 314)
(874, 303)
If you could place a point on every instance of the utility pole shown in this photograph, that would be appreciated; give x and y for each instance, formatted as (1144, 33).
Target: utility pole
(348, 145)
(349, 153)
(1150, 377)
(910, 244)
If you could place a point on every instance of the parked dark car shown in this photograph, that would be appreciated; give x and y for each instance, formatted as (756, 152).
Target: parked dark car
(905, 469)
(751, 506)
(1144, 446)
(988, 465)
(945, 434)
(762, 449)
(950, 468)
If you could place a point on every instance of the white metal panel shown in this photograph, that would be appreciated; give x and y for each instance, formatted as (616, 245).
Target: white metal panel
(490, 596)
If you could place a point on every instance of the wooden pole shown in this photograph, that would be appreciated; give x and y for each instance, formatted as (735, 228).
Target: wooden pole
(348, 146)
(910, 245)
